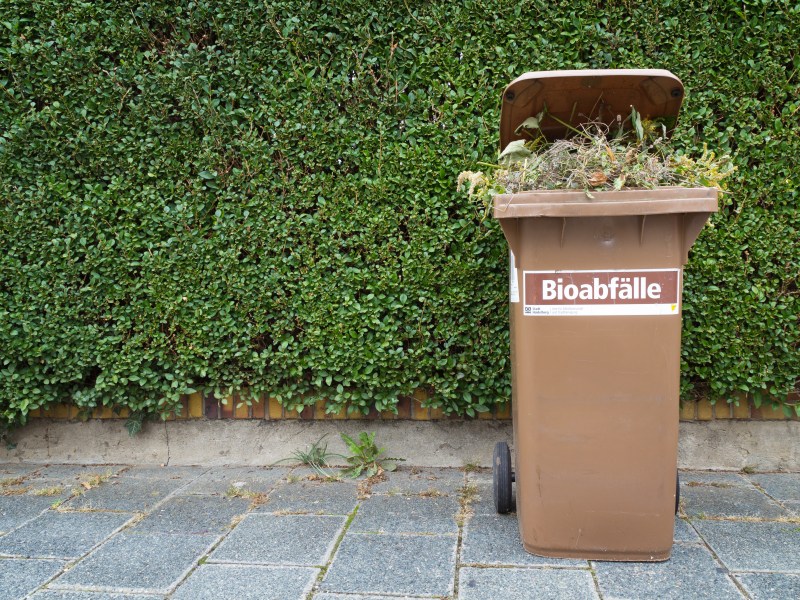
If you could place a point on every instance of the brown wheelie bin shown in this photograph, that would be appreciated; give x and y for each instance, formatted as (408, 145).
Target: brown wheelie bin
(595, 310)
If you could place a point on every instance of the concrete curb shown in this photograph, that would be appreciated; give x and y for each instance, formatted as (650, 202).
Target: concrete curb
(724, 445)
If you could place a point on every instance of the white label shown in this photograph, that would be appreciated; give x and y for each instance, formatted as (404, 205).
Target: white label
(602, 293)
(513, 279)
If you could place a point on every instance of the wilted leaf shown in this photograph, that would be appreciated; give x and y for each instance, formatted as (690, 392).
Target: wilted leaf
(514, 152)
(529, 124)
(597, 179)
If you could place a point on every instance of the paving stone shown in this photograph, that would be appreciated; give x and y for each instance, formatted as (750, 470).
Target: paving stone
(417, 565)
(196, 515)
(421, 481)
(691, 573)
(685, 533)
(407, 514)
(305, 540)
(19, 577)
(125, 494)
(312, 497)
(220, 480)
(16, 510)
(150, 563)
(735, 501)
(784, 487)
(525, 584)
(74, 595)
(770, 586)
(494, 540)
(744, 546)
(212, 582)
(61, 534)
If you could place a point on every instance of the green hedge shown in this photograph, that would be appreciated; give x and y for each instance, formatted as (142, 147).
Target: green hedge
(262, 194)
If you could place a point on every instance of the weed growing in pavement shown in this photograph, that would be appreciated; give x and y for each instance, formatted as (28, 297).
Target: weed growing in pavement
(256, 498)
(742, 519)
(315, 456)
(322, 478)
(366, 457)
(50, 491)
(430, 493)
(715, 484)
(466, 496)
(92, 481)
(364, 487)
(11, 482)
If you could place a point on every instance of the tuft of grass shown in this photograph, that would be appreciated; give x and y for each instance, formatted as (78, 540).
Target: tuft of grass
(256, 498)
(93, 480)
(431, 493)
(315, 456)
(12, 481)
(285, 512)
(716, 484)
(467, 494)
(742, 519)
(364, 487)
(236, 491)
(323, 478)
(50, 491)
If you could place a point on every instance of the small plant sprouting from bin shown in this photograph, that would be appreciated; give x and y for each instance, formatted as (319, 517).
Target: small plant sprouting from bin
(631, 153)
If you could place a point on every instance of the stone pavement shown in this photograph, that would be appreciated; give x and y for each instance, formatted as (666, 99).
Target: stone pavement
(145, 533)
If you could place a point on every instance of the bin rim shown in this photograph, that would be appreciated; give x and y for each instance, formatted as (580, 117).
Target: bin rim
(578, 96)
(610, 203)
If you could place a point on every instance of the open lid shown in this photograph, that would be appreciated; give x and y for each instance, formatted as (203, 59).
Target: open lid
(577, 97)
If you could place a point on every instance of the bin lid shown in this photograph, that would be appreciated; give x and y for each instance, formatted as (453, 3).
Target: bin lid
(580, 96)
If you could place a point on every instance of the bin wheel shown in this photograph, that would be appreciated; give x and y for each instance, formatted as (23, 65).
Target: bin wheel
(677, 492)
(502, 477)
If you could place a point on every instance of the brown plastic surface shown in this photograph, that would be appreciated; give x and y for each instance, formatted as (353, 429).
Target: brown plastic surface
(596, 397)
(588, 95)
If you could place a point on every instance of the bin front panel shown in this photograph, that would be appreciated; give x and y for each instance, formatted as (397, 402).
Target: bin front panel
(596, 398)
(596, 425)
